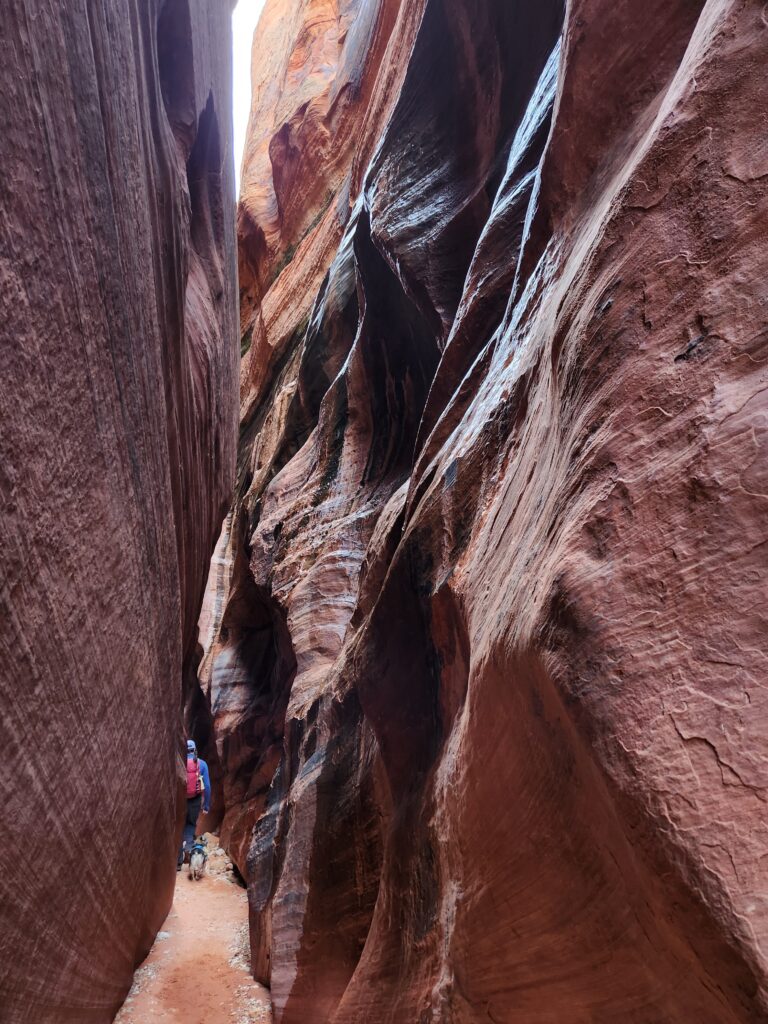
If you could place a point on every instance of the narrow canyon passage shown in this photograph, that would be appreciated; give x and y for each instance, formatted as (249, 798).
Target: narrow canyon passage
(199, 968)
(416, 481)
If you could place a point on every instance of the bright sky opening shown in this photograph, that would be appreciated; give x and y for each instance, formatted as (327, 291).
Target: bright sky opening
(244, 19)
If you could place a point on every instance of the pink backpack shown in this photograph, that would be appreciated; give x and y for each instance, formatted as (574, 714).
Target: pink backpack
(194, 778)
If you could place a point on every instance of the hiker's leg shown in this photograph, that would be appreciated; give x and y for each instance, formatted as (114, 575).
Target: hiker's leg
(193, 813)
(196, 813)
(190, 820)
(189, 828)
(184, 837)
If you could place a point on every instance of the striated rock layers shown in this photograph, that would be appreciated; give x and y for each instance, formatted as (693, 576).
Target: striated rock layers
(117, 450)
(484, 669)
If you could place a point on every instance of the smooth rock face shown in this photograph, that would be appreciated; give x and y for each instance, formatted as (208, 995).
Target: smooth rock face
(117, 451)
(485, 655)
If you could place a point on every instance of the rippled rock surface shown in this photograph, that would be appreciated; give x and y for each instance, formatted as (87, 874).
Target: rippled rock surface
(117, 450)
(484, 638)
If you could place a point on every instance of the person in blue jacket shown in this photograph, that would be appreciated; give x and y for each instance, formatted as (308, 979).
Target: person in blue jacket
(198, 796)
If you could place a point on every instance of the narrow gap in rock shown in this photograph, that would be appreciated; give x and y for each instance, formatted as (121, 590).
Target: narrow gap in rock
(382, 512)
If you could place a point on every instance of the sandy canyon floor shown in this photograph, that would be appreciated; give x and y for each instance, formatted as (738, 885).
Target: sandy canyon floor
(198, 969)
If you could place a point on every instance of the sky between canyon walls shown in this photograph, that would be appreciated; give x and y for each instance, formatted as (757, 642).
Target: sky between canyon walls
(244, 19)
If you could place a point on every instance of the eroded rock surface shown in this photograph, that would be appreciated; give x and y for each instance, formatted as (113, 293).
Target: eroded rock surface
(485, 638)
(117, 449)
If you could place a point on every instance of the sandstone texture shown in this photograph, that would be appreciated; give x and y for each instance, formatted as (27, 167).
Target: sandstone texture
(117, 452)
(484, 674)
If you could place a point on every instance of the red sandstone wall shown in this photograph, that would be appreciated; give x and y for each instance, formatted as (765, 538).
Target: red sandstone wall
(485, 660)
(117, 451)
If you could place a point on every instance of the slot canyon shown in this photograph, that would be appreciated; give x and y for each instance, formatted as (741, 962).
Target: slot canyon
(424, 485)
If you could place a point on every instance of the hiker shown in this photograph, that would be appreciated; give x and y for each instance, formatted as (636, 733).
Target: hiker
(198, 793)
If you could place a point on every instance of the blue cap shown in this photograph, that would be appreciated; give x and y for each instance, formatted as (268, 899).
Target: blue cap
(191, 745)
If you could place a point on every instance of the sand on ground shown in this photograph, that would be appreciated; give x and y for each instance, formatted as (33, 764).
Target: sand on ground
(198, 971)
